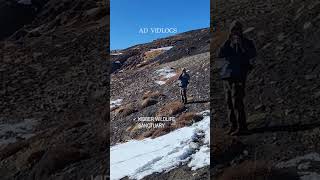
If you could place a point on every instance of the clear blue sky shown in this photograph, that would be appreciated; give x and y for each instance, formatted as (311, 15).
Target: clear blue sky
(128, 16)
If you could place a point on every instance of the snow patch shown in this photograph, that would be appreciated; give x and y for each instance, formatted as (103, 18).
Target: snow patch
(115, 103)
(165, 74)
(137, 159)
(162, 48)
(25, 2)
(11, 132)
(200, 158)
(116, 54)
(160, 82)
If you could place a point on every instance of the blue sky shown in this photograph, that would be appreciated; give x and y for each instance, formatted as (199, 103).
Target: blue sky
(128, 16)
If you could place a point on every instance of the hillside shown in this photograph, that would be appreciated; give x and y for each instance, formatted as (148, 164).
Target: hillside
(144, 84)
(54, 89)
(282, 91)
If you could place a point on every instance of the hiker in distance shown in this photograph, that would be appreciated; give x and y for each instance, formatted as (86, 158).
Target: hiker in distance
(183, 82)
(237, 52)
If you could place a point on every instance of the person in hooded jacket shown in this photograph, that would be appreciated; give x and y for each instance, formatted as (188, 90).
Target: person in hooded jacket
(237, 51)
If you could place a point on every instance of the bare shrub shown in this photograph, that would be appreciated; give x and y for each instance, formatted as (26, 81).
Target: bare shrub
(171, 109)
(187, 119)
(148, 102)
(125, 110)
(154, 95)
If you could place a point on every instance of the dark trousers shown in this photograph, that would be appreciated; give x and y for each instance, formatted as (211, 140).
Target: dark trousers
(235, 92)
(183, 95)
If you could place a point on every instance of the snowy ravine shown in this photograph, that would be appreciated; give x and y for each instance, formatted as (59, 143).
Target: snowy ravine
(187, 145)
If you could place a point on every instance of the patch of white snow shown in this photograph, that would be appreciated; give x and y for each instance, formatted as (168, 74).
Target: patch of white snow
(137, 159)
(115, 103)
(162, 48)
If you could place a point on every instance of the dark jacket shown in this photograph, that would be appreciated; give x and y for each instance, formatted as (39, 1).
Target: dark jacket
(184, 80)
(238, 61)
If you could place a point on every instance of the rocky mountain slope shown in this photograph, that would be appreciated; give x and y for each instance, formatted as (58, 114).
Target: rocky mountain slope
(54, 90)
(144, 84)
(183, 44)
(282, 91)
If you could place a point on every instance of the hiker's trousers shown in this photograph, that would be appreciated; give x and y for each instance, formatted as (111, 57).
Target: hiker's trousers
(235, 93)
(183, 94)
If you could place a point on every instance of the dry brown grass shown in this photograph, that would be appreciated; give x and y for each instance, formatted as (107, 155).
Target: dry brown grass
(149, 55)
(145, 134)
(171, 109)
(153, 133)
(148, 102)
(132, 128)
(143, 64)
(224, 147)
(187, 119)
(125, 110)
(154, 95)
(257, 170)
